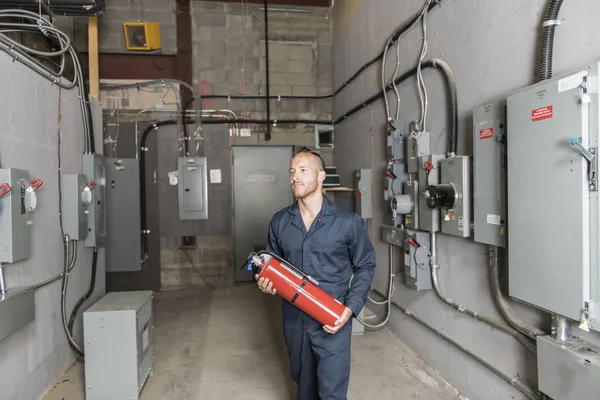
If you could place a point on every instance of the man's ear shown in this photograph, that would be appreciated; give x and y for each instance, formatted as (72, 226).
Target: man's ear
(322, 176)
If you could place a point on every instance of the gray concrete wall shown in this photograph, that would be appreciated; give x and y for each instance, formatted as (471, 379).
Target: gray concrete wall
(492, 48)
(35, 356)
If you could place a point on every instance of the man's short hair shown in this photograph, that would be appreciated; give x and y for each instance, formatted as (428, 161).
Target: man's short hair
(321, 163)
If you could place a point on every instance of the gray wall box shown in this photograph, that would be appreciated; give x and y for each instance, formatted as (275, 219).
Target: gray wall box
(193, 190)
(119, 345)
(568, 370)
(94, 168)
(123, 235)
(363, 201)
(489, 174)
(457, 171)
(74, 217)
(417, 269)
(14, 229)
(17, 309)
(541, 119)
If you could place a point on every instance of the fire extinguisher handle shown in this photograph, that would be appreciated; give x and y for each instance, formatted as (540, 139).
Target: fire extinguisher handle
(290, 266)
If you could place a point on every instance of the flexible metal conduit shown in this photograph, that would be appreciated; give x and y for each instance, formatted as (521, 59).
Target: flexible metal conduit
(513, 381)
(466, 310)
(547, 45)
(502, 302)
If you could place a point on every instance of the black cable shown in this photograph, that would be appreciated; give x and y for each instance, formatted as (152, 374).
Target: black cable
(547, 45)
(267, 101)
(196, 269)
(87, 295)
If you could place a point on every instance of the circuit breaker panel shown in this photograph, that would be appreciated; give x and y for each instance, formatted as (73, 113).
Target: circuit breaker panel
(123, 217)
(193, 196)
(552, 194)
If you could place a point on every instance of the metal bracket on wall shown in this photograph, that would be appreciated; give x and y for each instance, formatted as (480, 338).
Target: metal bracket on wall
(593, 173)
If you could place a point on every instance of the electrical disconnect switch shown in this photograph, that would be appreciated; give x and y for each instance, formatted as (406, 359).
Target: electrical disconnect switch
(15, 206)
(76, 196)
(429, 175)
(417, 269)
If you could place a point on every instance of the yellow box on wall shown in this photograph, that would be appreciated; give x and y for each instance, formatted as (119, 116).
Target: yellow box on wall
(142, 35)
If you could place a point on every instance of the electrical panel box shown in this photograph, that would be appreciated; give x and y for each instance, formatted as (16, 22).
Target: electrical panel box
(94, 168)
(17, 309)
(489, 174)
(193, 196)
(76, 196)
(417, 269)
(411, 220)
(119, 345)
(568, 370)
(456, 171)
(392, 235)
(123, 217)
(364, 206)
(14, 215)
(416, 147)
(553, 212)
(429, 174)
(395, 140)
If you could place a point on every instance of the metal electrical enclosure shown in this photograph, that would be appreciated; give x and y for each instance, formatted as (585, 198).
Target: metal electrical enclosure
(429, 218)
(568, 370)
(94, 168)
(123, 223)
(417, 269)
(14, 229)
(73, 212)
(17, 309)
(553, 238)
(364, 206)
(119, 345)
(489, 174)
(193, 190)
(457, 172)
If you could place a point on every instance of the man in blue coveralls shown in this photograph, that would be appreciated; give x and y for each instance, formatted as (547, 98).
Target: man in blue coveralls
(331, 245)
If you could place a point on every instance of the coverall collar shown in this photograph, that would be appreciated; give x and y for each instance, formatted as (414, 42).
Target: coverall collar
(327, 208)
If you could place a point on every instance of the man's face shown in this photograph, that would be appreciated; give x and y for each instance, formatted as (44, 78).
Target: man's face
(305, 176)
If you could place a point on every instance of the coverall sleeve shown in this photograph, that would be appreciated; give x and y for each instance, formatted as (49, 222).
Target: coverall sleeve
(362, 255)
(272, 242)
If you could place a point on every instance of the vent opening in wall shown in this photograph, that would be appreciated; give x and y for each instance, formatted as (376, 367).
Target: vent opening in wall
(188, 241)
(324, 136)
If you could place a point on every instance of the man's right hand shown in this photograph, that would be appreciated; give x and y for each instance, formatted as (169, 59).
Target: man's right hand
(264, 285)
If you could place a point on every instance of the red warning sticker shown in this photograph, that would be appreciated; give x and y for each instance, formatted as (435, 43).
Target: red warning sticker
(486, 133)
(541, 113)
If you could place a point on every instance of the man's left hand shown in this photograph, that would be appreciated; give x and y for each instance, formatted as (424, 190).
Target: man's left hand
(339, 323)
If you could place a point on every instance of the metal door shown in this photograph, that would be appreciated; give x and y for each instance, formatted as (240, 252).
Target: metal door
(261, 187)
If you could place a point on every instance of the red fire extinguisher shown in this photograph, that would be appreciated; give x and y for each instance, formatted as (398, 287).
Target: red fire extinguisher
(298, 288)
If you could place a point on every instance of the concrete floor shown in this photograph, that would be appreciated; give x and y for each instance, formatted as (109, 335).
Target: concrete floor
(228, 344)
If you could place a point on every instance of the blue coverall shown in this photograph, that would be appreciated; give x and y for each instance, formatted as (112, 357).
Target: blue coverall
(335, 250)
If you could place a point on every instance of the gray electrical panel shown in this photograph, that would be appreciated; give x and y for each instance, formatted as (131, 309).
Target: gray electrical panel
(14, 216)
(489, 174)
(417, 146)
(364, 206)
(119, 345)
(75, 196)
(411, 219)
(568, 371)
(123, 217)
(193, 196)
(553, 200)
(392, 235)
(395, 140)
(429, 174)
(94, 168)
(17, 309)
(417, 269)
(456, 171)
